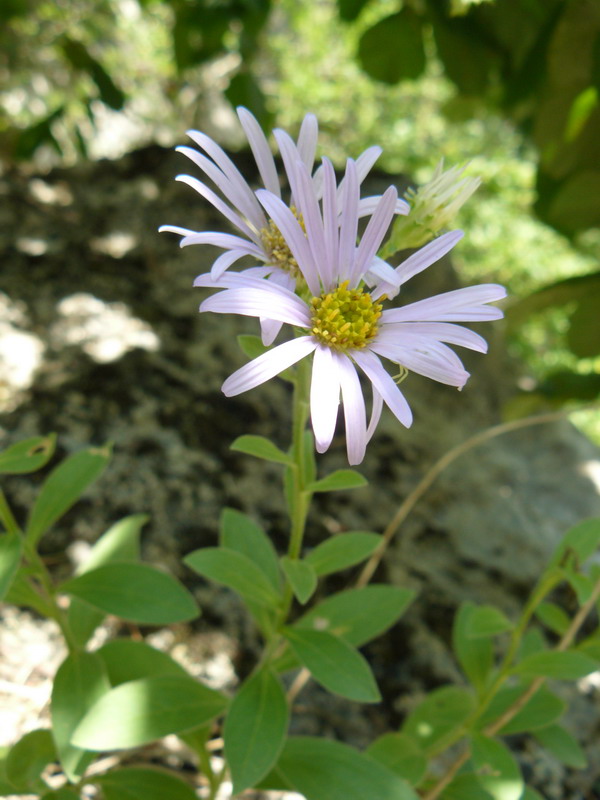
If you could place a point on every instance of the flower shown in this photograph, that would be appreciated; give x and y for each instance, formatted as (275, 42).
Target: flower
(260, 237)
(433, 207)
(346, 328)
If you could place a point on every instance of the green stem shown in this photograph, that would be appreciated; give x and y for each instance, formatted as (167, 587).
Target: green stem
(7, 518)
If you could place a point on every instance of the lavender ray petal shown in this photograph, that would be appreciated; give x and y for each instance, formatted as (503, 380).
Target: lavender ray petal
(261, 150)
(354, 410)
(324, 396)
(374, 233)
(383, 382)
(268, 365)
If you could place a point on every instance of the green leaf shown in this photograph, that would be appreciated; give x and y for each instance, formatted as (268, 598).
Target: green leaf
(301, 576)
(27, 759)
(80, 58)
(392, 50)
(10, 558)
(63, 487)
(583, 335)
(340, 479)
(553, 617)
(80, 681)
(64, 793)
(530, 794)
(334, 664)
(541, 710)
(236, 571)
(465, 786)
(28, 455)
(128, 660)
(121, 542)
(321, 769)
(499, 773)
(532, 642)
(137, 712)
(440, 712)
(358, 615)
(251, 345)
(474, 655)
(582, 585)
(582, 540)
(400, 754)
(562, 745)
(255, 729)
(349, 10)
(486, 621)
(143, 783)
(343, 551)
(261, 447)
(568, 666)
(21, 593)
(239, 532)
(135, 592)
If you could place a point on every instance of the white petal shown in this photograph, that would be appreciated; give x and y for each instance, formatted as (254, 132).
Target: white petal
(367, 206)
(269, 328)
(441, 331)
(324, 396)
(224, 261)
(328, 268)
(290, 157)
(222, 207)
(375, 413)
(259, 303)
(176, 229)
(459, 305)
(293, 235)
(309, 208)
(348, 222)
(268, 365)
(252, 277)
(383, 382)
(379, 270)
(261, 150)
(428, 255)
(354, 410)
(374, 233)
(307, 140)
(366, 160)
(225, 240)
(429, 358)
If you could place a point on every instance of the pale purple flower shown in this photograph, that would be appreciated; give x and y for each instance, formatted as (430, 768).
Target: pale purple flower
(345, 328)
(257, 234)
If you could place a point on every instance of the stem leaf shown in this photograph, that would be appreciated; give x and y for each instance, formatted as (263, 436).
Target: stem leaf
(128, 660)
(562, 745)
(401, 754)
(10, 557)
(340, 479)
(28, 455)
(499, 772)
(343, 551)
(261, 447)
(568, 666)
(137, 783)
(301, 576)
(26, 760)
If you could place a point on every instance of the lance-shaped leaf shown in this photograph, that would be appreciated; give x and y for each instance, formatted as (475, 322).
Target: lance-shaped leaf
(240, 533)
(582, 541)
(64, 486)
(260, 447)
(80, 681)
(563, 746)
(255, 729)
(499, 773)
(475, 655)
(143, 783)
(26, 760)
(28, 455)
(137, 712)
(343, 551)
(301, 576)
(335, 664)
(320, 768)
(568, 666)
(340, 479)
(10, 558)
(128, 660)
(135, 592)
(236, 571)
(442, 711)
(486, 621)
(401, 754)
(541, 710)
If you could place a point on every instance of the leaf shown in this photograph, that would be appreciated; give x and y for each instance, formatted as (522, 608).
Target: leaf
(474, 655)
(301, 576)
(562, 745)
(251, 345)
(27, 759)
(499, 773)
(255, 729)
(465, 786)
(21, 593)
(128, 660)
(541, 710)
(334, 664)
(261, 447)
(400, 754)
(553, 617)
(349, 10)
(137, 712)
(358, 615)
(236, 571)
(10, 559)
(321, 769)
(121, 542)
(343, 551)
(80, 681)
(392, 50)
(135, 592)
(240, 533)
(583, 335)
(28, 455)
(80, 58)
(440, 712)
(63, 487)
(143, 783)
(340, 479)
(486, 621)
(567, 290)
(569, 666)
(64, 793)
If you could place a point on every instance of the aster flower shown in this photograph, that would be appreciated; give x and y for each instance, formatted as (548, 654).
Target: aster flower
(345, 328)
(258, 236)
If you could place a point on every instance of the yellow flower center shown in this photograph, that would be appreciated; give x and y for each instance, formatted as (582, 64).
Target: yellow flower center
(345, 319)
(277, 248)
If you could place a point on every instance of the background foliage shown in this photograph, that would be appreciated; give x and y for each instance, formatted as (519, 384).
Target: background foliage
(511, 86)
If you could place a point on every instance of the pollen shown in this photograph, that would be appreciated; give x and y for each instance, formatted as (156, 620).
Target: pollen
(345, 319)
(277, 248)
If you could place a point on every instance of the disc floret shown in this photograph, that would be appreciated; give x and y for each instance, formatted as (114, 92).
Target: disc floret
(277, 249)
(345, 319)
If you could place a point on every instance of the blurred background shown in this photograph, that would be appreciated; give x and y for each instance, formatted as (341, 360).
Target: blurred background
(510, 87)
